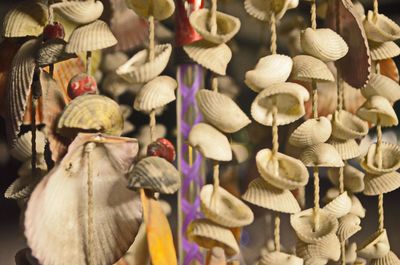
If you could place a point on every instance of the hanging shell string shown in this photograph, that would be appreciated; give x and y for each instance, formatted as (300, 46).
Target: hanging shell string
(314, 99)
(275, 139)
(343, 250)
(316, 198)
(214, 84)
(379, 160)
(151, 38)
(277, 234)
(340, 92)
(381, 212)
(274, 37)
(36, 93)
(313, 12)
(216, 184)
(90, 222)
(212, 23)
(376, 10)
(152, 125)
(341, 179)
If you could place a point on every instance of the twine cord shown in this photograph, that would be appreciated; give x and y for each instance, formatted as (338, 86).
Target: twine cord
(212, 23)
(151, 38)
(313, 12)
(376, 10)
(90, 230)
(341, 179)
(277, 235)
(316, 198)
(379, 160)
(275, 139)
(152, 125)
(343, 250)
(36, 93)
(340, 92)
(274, 37)
(214, 84)
(314, 99)
(214, 195)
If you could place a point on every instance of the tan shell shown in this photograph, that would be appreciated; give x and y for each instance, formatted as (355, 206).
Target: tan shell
(94, 36)
(388, 259)
(209, 55)
(346, 125)
(378, 108)
(325, 44)
(139, 70)
(310, 132)
(221, 111)
(240, 152)
(216, 257)
(321, 155)
(351, 253)
(308, 68)
(390, 159)
(79, 12)
(261, 9)
(382, 30)
(289, 99)
(22, 150)
(282, 171)
(160, 9)
(210, 142)
(208, 235)
(320, 252)
(270, 70)
(376, 246)
(353, 178)
(340, 206)
(380, 85)
(267, 196)
(347, 149)
(384, 50)
(379, 184)
(348, 226)
(356, 207)
(279, 258)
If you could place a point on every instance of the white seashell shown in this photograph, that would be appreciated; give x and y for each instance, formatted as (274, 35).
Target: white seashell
(380, 85)
(388, 259)
(376, 246)
(347, 149)
(240, 152)
(308, 68)
(279, 258)
(159, 9)
(340, 206)
(210, 142)
(221, 111)
(22, 150)
(348, 226)
(384, 50)
(351, 253)
(380, 184)
(346, 125)
(139, 70)
(326, 249)
(79, 12)
(390, 159)
(270, 70)
(321, 155)
(261, 9)
(310, 132)
(378, 108)
(380, 28)
(353, 178)
(325, 44)
(356, 207)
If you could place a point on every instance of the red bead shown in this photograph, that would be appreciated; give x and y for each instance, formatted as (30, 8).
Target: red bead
(162, 148)
(81, 84)
(53, 31)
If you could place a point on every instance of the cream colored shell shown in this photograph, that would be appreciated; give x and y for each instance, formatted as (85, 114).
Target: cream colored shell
(279, 258)
(22, 150)
(261, 9)
(346, 125)
(160, 9)
(321, 252)
(384, 50)
(388, 259)
(379, 184)
(378, 108)
(381, 30)
(390, 159)
(310, 132)
(348, 226)
(380, 85)
(340, 206)
(376, 246)
(321, 155)
(353, 178)
(356, 207)
(347, 149)
(79, 12)
(308, 68)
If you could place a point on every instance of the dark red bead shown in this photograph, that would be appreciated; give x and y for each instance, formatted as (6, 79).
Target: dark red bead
(53, 31)
(162, 148)
(81, 84)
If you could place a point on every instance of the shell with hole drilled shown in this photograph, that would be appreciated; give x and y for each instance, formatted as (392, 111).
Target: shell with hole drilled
(279, 258)
(348, 226)
(347, 149)
(384, 50)
(321, 252)
(376, 246)
(321, 155)
(346, 125)
(381, 28)
(308, 68)
(353, 178)
(79, 12)
(340, 206)
(261, 9)
(378, 108)
(310, 132)
(390, 159)
(388, 259)
(159, 9)
(380, 184)
(380, 85)
(22, 150)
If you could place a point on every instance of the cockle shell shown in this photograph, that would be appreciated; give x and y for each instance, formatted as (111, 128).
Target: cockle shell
(378, 109)
(380, 85)
(267, 196)
(380, 28)
(348, 226)
(79, 12)
(376, 246)
(22, 150)
(384, 50)
(321, 155)
(94, 36)
(320, 252)
(210, 142)
(270, 70)
(390, 159)
(279, 258)
(261, 9)
(221, 111)
(310, 132)
(49, 219)
(346, 125)
(379, 184)
(139, 69)
(91, 113)
(347, 149)
(351, 253)
(388, 259)
(340, 206)
(308, 68)
(353, 178)
(159, 9)
(225, 209)
(52, 51)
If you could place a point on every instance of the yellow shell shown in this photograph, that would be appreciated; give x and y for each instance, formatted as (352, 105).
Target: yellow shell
(353, 178)
(310, 132)
(384, 50)
(160, 9)
(347, 149)
(321, 155)
(346, 125)
(308, 68)
(378, 108)
(279, 258)
(340, 206)
(261, 9)
(390, 159)
(382, 29)
(79, 12)
(380, 85)
(379, 184)
(348, 226)
(388, 259)
(320, 252)
(376, 246)
(22, 150)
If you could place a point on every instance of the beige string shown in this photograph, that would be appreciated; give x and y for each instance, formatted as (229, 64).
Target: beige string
(340, 92)
(214, 84)
(153, 125)
(381, 212)
(151, 38)
(379, 158)
(274, 38)
(316, 198)
(214, 195)
(343, 250)
(90, 253)
(277, 234)
(275, 139)
(376, 10)
(313, 12)
(212, 23)
(341, 179)
(88, 62)
(314, 99)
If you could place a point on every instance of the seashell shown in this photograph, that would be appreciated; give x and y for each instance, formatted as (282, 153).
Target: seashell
(380, 85)
(346, 125)
(60, 222)
(79, 12)
(348, 226)
(388, 259)
(262, 10)
(390, 159)
(281, 171)
(22, 150)
(340, 206)
(94, 36)
(378, 109)
(216, 256)
(240, 152)
(303, 225)
(27, 19)
(210, 142)
(376, 246)
(138, 252)
(267, 196)
(356, 207)
(316, 253)
(111, 61)
(388, 68)
(383, 50)
(225, 209)
(209, 235)
(321, 155)
(351, 253)
(221, 111)
(139, 70)
(156, 174)
(51, 52)
(289, 99)
(347, 149)
(209, 55)
(270, 70)
(279, 258)
(308, 68)
(325, 44)
(380, 28)
(159, 9)
(310, 132)
(380, 184)
(91, 113)
(353, 178)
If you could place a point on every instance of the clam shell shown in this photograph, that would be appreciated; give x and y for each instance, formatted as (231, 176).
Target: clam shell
(376, 246)
(340, 206)
(390, 159)
(221, 111)
(325, 44)
(379, 184)
(382, 29)
(378, 108)
(159, 9)
(226, 210)
(321, 155)
(216, 256)
(380, 85)
(139, 70)
(346, 125)
(353, 178)
(307, 68)
(270, 70)
(209, 55)
(348, 226)
(388, 259)
(279, 258)
(326, 249)
(79, 12)
(51, 52)
(356, 207)
(289, 99)
(209, 235)
(267, 196)
(262, 10)
(384, 50)
(91, 113)
(289, 173)
(210, 142)
(240, 152)
(94, 36)
(347, 149)
(22, 150)
(310, 132)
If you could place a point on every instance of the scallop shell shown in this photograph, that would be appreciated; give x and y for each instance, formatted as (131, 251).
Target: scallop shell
(340, 206)
(240, 152)
(379, 184)
(221, 111)
(226, 210)
(279, 258)
(51, 52)
(346, 125)
(308, 68)
(380, 85)
(388, 259)
(325, 249)
(353, 178)
(390, 159)
(325, 44)
(382, 29)
(267, 196)
(261, 9)
(210, 142)
(159, 9)
(289, 99)
(378, 108)
(321, 155)
(91, 113)
(310, 132)
(139, 70)
(347, 149)
(22, 150)
(94, 36)
(209, 55)
(376, 246)
(384, 50)
(209, 235)
(79, 12)
(270, 70)
(348, 226)
(49, 219)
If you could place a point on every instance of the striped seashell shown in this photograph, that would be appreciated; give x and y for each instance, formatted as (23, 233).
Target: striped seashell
(52, 51)
(159, 9)
(208, 235)
(380, 184)
(221, 111)
(310, 132)
(388, 259)
(348, 226)
(240, 152)
(347, 149)
(378, 108)
(390, 159)
(217, 256)
(262, 194)
(22, 150)
(307, 68)
(90, 37)
(380, 85)
(380, 28)
(261, 10)
(279, 258)
(79, 12)
(346, 125)
(340, 206)
(375, 247)
(353, 178)
(321, 155)
(139, 70)
(91, 113)
(325, 249)
(383, 50)
(325, 44)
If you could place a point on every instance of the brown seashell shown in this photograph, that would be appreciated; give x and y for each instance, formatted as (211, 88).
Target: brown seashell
(279, 258)
(380, 85)
(22, 150)
(353, 178)
(388, 68)
(383, 50)
(52, 51)
(159, 9)
(321, 155)
(340, 206)
(262, 9)
(390, 161)
(380, 28)
(378, 109)
(308, 68)
(348, 226)
(216, 256)
(310, 132)
(325, 249)
(375, 247)
(388, 259)
(380, 184)
(347, 149)
(346, 125)
(79, 12)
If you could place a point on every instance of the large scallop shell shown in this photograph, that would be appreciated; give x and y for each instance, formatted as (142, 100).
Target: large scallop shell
(353, 178)
(310, 132)
(379, 184)
(267, 196)
(325, 249)
(346, 125)
(388, 259)
(221, 111)
(385, 50)
(348, 226)
(279, 258)
(159, 9)
(52, 51)
(49, 218)
(378, 109)
(139, 70)
(380, 28)
(380, 85)
(390, 159)
(325, 44)
(270, 70)
(94, 36)
(308, 68)
(347, 149)
(22, 150)
(261, 9)
(340, 206)
(79, 12)
(321, 155)
(376, 246)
